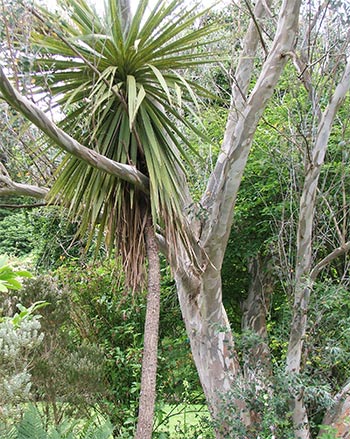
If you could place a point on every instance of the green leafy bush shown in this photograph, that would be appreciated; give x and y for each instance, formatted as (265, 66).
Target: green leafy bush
(67, 371)
(106, 314)
(20, 335)
(16, 231)
(9, 276)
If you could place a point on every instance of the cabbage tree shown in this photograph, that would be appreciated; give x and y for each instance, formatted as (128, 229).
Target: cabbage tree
(119, 82)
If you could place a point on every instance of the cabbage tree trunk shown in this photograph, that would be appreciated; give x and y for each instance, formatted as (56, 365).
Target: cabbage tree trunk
(150, 344)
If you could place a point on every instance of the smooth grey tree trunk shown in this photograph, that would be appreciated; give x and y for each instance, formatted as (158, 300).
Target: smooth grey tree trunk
(9, 187)
(212, 343)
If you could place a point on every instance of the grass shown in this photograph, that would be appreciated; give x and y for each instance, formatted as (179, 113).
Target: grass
(183, 421)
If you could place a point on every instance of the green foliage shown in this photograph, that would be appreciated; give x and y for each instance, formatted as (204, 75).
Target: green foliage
(184, 419)
(328, 432)
(26, 313)
(327, 344)
(55, 238)
(123, 93)
(32, 426)
(9, 276)
(67, 372)
(103, 312)
(47, 235)
(19, 338)
(267, 402)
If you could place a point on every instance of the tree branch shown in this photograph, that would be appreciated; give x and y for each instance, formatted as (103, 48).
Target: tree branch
(9, 187)
(22, 206)
(220, 196)
(341, 236)
(67, 143)
(328, 259)
(251, 12)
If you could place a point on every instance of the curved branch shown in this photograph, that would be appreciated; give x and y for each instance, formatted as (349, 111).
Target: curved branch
(328, 259)
(9, 187)
(67, 143)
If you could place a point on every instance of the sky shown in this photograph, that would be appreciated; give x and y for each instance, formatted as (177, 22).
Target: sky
(99, 3)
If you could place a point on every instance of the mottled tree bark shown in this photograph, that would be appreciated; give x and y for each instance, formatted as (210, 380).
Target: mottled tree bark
(211, 339)
(303, 280)
(9, 187)
(257, 360)
(201, 295)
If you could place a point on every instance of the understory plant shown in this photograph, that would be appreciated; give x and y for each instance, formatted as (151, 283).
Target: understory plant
(68, 371)
(20, 335)
(32, 426)
(104, 313)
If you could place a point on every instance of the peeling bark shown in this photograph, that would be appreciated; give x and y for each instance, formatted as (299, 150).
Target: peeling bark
(303, 280)
(211, 339)
(257, 366)
(257, 361)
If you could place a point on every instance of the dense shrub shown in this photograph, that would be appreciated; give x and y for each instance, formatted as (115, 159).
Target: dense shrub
(20, 335)
(16, 233)
(67, 371)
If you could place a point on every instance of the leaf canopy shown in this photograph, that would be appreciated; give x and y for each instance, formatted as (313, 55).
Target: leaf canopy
(124, 94)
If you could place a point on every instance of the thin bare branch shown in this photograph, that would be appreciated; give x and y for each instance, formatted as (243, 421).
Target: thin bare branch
(22, 206)
(341, 236)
